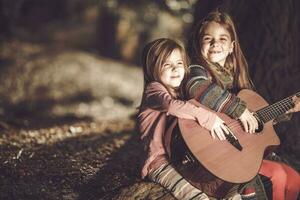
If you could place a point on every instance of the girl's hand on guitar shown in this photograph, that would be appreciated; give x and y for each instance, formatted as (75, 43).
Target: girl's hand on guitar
(219, 129)
(249, 121)
(296, 107)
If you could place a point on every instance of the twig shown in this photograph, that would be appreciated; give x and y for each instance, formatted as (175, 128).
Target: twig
(19, 154)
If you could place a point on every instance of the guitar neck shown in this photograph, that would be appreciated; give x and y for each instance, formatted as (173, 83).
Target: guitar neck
(273, 111)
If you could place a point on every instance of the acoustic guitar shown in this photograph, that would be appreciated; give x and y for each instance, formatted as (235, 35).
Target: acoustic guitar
(236, 159)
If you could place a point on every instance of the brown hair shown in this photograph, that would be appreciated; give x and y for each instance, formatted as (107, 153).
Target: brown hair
(235, 62)
(155, 54)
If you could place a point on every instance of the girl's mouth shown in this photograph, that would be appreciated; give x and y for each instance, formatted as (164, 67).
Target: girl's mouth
(214, 52)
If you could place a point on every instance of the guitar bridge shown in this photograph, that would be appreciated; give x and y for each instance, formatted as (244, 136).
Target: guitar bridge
(233, 140)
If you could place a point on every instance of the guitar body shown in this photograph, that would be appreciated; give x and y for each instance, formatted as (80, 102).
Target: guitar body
(219, 165)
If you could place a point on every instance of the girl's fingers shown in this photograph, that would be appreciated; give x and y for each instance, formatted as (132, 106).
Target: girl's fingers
(220, 133)
(245, 124)
(213, 134)
(254, 124)
(225, 129)
(251, 125)
(249, 122)
(296, 107)
(219, 130)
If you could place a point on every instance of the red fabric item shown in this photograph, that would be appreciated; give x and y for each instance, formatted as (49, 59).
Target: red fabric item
(285, 180)
(248, 191)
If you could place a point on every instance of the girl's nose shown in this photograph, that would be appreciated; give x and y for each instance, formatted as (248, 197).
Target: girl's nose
(174, 67)
(214, 42)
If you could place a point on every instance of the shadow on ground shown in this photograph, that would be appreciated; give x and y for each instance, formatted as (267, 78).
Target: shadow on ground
(36, 114)
(97, 163)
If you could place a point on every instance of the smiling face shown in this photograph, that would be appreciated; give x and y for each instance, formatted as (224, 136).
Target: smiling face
(216, 43)
(172, 71)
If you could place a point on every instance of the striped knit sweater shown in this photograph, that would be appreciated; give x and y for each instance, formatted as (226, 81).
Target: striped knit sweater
(208, 93)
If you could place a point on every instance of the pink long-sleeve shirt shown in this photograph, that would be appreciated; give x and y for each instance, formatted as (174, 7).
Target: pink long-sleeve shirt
(157, 104)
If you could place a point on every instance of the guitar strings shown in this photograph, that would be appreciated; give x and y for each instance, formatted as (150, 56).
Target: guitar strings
(269, 112)
(276, 109)
(277, 105)
(281, 107)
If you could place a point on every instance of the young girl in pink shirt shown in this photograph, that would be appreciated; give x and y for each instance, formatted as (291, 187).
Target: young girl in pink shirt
(165, 67)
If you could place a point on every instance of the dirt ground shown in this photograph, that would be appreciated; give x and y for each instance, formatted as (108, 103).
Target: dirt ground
(67, 162)
(66, 132)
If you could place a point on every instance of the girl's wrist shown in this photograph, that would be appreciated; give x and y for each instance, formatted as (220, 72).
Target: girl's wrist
(207, 120)
(239, 110)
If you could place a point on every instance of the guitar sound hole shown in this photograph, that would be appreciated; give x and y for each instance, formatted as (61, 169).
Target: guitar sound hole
(260, 124)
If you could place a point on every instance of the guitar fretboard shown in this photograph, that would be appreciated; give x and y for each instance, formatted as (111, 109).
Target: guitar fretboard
(272, 111)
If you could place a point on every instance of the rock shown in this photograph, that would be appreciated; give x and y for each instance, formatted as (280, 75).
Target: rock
(71, 83)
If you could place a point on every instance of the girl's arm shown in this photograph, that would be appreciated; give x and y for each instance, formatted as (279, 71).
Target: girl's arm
(200, 87)
(157, 97)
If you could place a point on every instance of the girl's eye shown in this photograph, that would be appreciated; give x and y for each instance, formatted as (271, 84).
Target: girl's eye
(206, 39)
(166, 65)
(223, 39)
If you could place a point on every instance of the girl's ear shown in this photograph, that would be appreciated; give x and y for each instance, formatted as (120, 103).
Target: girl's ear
(232, 47)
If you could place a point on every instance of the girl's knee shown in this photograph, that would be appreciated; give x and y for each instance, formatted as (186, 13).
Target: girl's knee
(275, 171)
(293, 177)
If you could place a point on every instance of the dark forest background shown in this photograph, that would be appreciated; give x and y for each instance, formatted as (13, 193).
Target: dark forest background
(69, 61)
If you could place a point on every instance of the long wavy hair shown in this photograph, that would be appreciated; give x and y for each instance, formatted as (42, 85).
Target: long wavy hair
(235, 62)
(155, 54)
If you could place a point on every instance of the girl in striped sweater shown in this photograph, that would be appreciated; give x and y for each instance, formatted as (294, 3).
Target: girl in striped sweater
(220, 70)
